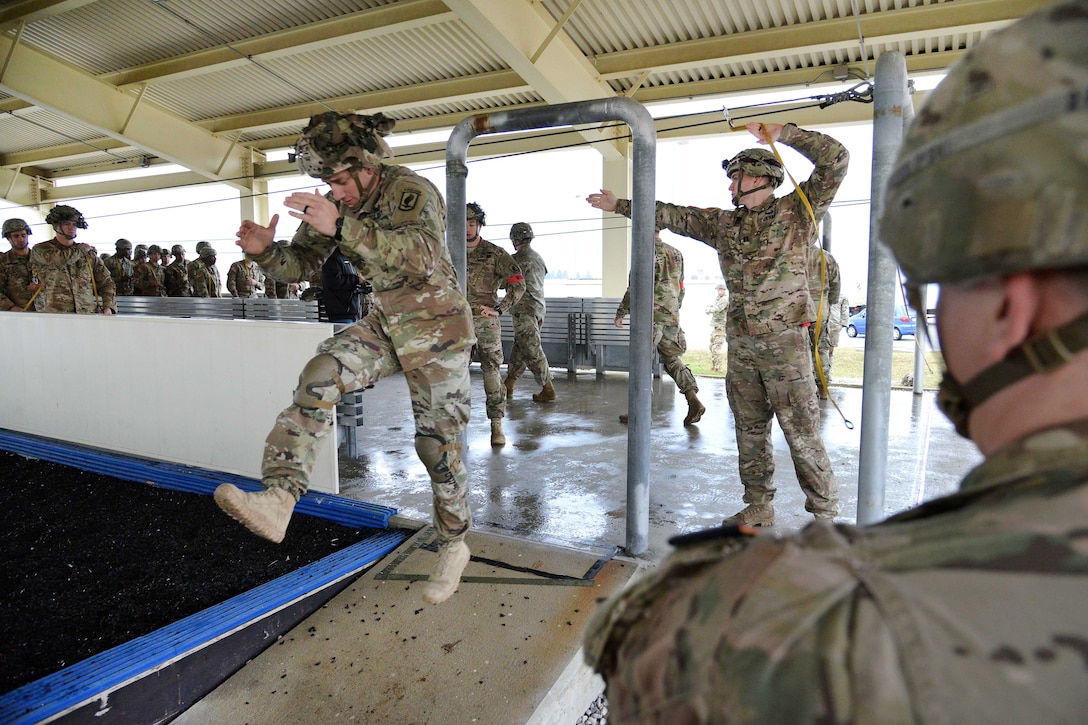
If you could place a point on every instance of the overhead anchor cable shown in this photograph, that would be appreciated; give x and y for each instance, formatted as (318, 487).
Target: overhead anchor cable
(851, 94)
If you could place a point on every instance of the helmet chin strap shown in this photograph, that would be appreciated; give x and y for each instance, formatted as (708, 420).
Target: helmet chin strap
(741, 195)
(364, 194)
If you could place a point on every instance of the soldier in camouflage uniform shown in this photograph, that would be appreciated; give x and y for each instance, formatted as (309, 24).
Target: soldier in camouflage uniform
(148, 279)
(763, 246)
(16, 284)
(245, 279)
(72, 277)
(969, 608)
(528, 317)
(717, 311)
(202, 274)
(390, 222)
(824, 285)
(122, 268)
(668, 337)
(215, 283)
(176, 274)
(489, 269)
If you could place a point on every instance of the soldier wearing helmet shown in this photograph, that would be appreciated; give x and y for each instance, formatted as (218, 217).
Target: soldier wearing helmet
(390, 224)
(17, 287)
(489, 269)
(176, 274)
(963, 609)
(763, 245)
(199, 268)
(122, 267)
(528, 318)
(72, 276)
(149, 276)
(717, 311)
(203, 275)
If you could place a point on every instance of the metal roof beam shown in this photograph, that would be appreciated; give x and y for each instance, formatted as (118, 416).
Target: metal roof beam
(30, 10)
(45, 81)
(483, 85)
(515, 31)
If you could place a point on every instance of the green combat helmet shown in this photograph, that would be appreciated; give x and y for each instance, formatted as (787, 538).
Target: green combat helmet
(756, 162)
(64, 213)
(992, 177)
(475, 213)
(521, 233)
(333, 142)
(123, 245)
(177, 250)
(206, 252)
(15, 225)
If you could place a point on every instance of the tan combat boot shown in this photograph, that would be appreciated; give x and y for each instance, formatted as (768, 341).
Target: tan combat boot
(497, 438)
(546, 394)
(695, 408)
(443, 581)
(509, 383)
(754, 514)
(266, 513)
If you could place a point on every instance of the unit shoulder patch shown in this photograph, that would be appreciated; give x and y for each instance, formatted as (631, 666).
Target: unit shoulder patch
(409, 198)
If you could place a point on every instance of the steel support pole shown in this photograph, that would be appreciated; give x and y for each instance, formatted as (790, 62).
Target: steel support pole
(643, 215)
(890, 99)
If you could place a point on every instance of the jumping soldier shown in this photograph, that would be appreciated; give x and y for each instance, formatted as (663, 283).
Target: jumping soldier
(390, 222)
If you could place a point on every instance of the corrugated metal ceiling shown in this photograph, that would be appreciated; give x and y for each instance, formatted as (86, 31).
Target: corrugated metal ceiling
(424, 59)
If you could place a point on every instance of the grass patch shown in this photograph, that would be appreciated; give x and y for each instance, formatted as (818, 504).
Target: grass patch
(848, 367)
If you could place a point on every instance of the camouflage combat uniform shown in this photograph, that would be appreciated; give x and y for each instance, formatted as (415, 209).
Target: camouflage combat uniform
(421, 324)
(906, 621)
(202, 279)
(72, 280)
(764, 257)
(491, 268)
(831, 290)
(15, 281)
(239, 273)
(214, 283)
(717, 311)
(122, 269)
(176, 279)
(148, 280)
(668, 296)
(527, 315)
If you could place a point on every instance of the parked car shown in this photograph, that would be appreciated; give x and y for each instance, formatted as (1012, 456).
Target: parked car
(904, 322)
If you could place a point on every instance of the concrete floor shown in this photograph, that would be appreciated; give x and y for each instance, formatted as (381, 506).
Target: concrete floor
(550, 519)
(562, 474)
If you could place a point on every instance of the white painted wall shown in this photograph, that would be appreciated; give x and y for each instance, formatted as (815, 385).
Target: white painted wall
(98, 381)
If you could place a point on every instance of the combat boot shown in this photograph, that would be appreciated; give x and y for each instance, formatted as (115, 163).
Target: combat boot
(266, 513)
(509, 383)
(754, 514)
(443, 581)
(497, 438)
(695, 408)
(546, 394)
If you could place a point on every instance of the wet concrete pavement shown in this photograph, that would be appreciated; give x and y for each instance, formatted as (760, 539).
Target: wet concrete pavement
(562, 475)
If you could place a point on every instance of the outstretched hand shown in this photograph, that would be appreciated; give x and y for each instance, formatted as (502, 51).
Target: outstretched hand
(255, 239)
(605, 200)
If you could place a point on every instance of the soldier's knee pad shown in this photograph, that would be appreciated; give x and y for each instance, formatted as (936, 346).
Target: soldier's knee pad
(320, 385)
(439, 456)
